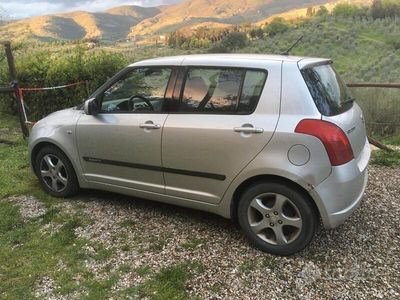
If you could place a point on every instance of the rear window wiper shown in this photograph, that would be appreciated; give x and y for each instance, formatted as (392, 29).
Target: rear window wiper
(349, 100)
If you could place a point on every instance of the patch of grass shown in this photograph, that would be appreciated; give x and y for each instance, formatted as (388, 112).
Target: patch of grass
(127, 223)
(384, 158)
(216, 287)
(124, 268)
(125, 247)
(26, 254)
(15, 173)
(247, 266)
(8, 121)
(10, 217)
(168, 283)
(143, 270)
(193, 243)
(270, 263)
(103, 253)
(156, 244)
(50, 215)
(392, 140)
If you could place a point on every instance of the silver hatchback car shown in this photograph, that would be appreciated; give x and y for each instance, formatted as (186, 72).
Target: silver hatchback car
(275, 143)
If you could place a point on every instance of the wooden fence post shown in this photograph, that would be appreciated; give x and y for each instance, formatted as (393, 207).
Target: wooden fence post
(15, 85)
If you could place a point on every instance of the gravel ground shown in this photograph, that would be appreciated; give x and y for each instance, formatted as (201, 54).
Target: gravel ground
(360, 259)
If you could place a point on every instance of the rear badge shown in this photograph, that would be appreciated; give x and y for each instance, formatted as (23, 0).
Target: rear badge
(351, 130)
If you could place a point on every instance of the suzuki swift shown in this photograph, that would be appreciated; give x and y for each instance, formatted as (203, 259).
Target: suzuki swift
(275, 143)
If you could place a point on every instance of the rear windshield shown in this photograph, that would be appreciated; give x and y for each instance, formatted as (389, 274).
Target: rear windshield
(330, 94)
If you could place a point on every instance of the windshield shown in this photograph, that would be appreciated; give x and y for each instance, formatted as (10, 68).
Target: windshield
(329, 92)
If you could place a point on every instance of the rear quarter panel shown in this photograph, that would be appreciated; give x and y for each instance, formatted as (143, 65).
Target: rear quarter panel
(296, 104)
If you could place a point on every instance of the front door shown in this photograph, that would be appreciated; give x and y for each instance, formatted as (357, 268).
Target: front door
(218, 128)
(122, 144)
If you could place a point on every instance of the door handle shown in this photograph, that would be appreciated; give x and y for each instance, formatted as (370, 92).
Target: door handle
(248, 129)
(149, 125)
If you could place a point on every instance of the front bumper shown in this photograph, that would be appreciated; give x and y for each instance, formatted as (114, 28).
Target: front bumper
(341, 193)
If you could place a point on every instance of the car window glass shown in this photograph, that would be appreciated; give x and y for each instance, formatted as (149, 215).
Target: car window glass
(252, 88)
(329, 92)
(211, 90)
(142, 90)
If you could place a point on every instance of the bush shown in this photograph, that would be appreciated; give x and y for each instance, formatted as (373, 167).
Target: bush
(322, 11)
(345, 10)
(277, 25)
(234, 40)
(218, 48)
(43, 69)
(394, 42)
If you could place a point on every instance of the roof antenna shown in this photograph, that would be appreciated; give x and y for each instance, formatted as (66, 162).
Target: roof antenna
(287, 52)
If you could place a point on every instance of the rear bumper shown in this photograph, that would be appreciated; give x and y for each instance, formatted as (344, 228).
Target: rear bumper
(341, 193)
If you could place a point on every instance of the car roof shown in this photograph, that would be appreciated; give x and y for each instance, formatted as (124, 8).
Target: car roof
(216, 59)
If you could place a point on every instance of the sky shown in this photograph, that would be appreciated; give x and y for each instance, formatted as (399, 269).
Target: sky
(16, 9)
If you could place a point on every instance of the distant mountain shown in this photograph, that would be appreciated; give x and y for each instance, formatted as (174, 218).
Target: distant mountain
(112, 24)
(193, 12)
(139, 22)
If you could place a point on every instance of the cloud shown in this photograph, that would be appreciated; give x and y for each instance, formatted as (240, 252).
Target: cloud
(16, 9)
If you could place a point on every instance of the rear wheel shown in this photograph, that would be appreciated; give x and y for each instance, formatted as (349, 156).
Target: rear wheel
(55, 173)
(277, 218)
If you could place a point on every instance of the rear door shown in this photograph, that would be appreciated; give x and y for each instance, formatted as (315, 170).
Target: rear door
(219, 121)
(336, 104)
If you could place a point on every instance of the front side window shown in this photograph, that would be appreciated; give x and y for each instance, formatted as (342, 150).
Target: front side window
(330, 94)
(214, 90)
(142, 90)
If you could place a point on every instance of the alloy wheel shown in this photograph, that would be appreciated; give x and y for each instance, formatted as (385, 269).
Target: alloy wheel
(53, 173)
(274, 218)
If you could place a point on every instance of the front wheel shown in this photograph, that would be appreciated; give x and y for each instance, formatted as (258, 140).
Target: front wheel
(55, 173)
(277, 218)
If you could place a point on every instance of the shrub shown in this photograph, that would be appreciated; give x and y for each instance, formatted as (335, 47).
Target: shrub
(277, 25)
(218, 48)
(345, 10)
(42, 69)
(235, 40)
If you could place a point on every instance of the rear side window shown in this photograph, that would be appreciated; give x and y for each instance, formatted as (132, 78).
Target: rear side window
(329, 92)
(252, 88)
(220, 91)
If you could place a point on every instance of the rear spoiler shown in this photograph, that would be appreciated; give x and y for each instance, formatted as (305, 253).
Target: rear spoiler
(306, 63)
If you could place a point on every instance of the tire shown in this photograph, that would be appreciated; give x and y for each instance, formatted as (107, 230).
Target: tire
(277, 218)
(55, 173)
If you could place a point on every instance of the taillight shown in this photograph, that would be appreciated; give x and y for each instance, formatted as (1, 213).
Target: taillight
(335, 141)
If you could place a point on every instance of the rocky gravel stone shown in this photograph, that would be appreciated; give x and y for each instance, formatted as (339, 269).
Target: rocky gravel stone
(358, 260)
(29, 206)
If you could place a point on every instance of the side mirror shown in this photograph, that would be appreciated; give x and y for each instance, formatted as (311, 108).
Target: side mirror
(90, 107)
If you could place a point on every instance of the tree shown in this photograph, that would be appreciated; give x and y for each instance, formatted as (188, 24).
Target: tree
(234, 40)
(256, 33)
(277, 25)
(322, 11)
(385, 9)
(391, 8)
(345, 10)
(310, 12)
(377, 10)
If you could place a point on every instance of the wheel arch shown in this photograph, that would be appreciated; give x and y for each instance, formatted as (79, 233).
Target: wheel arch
(36, 149)
(267, 178)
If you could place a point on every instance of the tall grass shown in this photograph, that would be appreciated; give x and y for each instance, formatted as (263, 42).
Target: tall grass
(381, 109)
